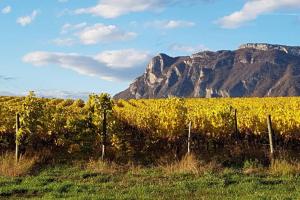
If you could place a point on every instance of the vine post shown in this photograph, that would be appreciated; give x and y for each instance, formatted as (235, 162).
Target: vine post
(189, 139)
(236, 123)
(17, 136)
(104, 136)
(270, 132)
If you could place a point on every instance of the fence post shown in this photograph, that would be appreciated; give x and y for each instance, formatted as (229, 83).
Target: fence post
(17, 137)
(104, 126)
(236, 123)
(270, 131)
(189, 138)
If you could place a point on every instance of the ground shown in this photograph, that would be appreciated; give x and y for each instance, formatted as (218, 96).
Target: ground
(76, 182)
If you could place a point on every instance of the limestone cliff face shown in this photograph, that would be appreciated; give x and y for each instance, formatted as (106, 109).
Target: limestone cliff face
(252, 70)
(269, 47)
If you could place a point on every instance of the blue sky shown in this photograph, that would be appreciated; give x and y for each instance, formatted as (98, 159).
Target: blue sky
(74, 47)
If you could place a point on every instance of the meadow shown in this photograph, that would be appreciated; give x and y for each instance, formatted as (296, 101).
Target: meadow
(187, 179)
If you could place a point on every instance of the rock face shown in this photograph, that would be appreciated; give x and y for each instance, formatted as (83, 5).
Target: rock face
(253, 70)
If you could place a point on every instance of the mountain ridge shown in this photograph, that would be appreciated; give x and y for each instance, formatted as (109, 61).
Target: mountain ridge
(253, 70)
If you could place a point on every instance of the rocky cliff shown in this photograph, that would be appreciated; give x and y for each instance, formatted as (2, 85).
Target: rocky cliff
(251, 70)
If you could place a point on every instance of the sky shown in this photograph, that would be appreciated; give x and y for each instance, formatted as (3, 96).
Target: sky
(70, 48)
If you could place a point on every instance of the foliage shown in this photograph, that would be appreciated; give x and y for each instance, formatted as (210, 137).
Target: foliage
(31, 115)
(137, 128)
(67, 124)
(98, 106)
(213, 117)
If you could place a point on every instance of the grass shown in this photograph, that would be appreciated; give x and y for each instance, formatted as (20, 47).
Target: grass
(183, 180)
(252, 167)
(189, 164)
(9, 167)
(283, 167)
(99, 166)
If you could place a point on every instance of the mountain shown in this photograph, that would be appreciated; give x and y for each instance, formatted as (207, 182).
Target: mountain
(52, 94)
(62, 94)
(253, 70)
(5, 93)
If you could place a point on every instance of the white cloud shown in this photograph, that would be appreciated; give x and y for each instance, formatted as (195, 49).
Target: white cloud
(93, 34)
(187, 48)
(170, 24)
(254, 8)
(114, 65)
(26, 20)
(100, 33)
(64, 41)
(122, 58)
(72, 27)
(116, 8)
(6, 10)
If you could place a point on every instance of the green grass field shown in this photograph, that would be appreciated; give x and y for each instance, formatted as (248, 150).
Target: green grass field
(77, 182)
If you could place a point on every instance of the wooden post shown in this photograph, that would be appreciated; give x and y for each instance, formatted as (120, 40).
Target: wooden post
(189, 138)
(270, 131)
(236, 124)
(17, 137)
(104, 125)
(103, 152)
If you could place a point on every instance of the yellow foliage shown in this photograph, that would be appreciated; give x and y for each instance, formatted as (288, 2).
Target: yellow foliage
(214, 117)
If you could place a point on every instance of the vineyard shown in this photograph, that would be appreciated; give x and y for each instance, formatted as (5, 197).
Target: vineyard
(146, 128)
(213, 117)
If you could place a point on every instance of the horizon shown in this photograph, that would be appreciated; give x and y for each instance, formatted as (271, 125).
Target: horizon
(74, 48)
